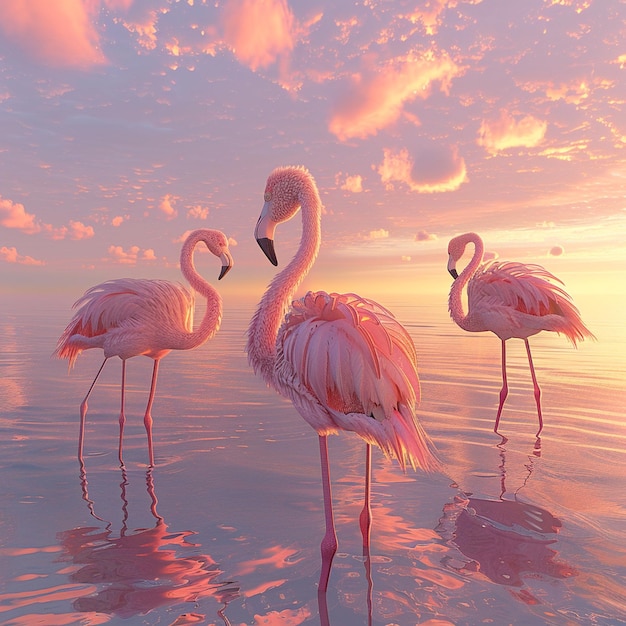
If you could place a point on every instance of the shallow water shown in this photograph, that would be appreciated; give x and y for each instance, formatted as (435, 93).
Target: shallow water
(226, 528)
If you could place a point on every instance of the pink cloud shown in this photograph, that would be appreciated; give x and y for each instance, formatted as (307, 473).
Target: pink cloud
(58, 34)
(14, 215)
(78, 230)
(375, 98)
(557, 251)
(145, 28)
(435, 169)
(381, 233)
(428, 15)
(507, 132)
(167, 206)
(118, 220)
(10, 255)
(258, 31)
(352, 183)
(198, 212)
(132, 255)
(422, 235)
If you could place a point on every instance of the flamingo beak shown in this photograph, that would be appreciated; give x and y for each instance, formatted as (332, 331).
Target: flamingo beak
(267, 245)
(452, 268)
(227, 263)
(264, 234)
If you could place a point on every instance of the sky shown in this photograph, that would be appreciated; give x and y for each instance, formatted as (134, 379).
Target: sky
(124, 124)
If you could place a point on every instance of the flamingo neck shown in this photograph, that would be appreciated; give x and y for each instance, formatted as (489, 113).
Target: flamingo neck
(277, 298)
(455, 301)
(213, 315)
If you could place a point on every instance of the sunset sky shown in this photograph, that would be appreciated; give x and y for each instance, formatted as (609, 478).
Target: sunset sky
(126, 123)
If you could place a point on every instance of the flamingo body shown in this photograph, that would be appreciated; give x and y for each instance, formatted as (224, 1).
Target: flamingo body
(128, 317)
(118, 316)
(344, 361)
(512, 300)
(347, 364)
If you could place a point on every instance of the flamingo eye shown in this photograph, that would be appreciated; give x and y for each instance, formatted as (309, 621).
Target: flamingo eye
(267, 196)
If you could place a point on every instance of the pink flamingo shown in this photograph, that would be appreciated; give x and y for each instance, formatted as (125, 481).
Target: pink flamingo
(127, 317)
(511, 300)
(344, 361)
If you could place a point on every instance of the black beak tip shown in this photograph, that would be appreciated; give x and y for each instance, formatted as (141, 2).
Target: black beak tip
(267, 245)
(454, 273)
(225, 269)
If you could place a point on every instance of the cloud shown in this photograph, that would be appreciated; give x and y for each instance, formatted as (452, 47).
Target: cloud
(375, 98)
(434, 169)
(167, 206)
(428, 15)
(507, 132)
(118, 220)
(352, 183)
(422, 235)
(490, 255)
(14, 215)
(10, 255)
(405, 258)
(198, 212)
(130, 257)
(258, 31)
(145, 27)
(78, 230)
(381, 233)
(557, 251)
(57, 34)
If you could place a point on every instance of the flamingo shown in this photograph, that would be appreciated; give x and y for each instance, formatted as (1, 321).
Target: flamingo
(127, 317)
(344, 361)
(511, 300)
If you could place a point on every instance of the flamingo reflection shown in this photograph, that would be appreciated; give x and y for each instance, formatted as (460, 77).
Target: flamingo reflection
(139, 570)
(504, 539)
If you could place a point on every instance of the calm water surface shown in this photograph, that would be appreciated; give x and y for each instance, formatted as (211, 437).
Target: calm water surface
(226, 529)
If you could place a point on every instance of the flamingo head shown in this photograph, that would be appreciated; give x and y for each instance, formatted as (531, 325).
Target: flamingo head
(456, 248)
(285, 190)
(217, 243)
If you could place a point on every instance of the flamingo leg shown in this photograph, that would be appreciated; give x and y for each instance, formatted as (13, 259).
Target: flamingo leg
(505, 388)
(329, 542)
(122, 419)
(83, 412)
(147, 420)
(365, 519)
(536, 386)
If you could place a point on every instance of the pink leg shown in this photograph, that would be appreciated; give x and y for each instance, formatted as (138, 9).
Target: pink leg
(365, 519)
(83, 412)
(536, 386)
(147, 420)
(122, 415)
(329, 542)
(505, 388)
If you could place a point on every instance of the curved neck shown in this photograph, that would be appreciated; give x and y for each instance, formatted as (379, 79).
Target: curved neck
(455, 302)
(271, 310)
(213, 315)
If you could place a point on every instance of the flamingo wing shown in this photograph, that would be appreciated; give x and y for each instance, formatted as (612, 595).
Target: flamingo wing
(126, 303)
(348, 364)
(527, 296)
